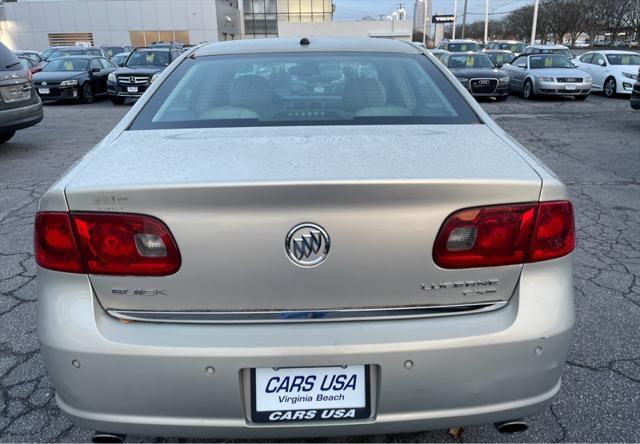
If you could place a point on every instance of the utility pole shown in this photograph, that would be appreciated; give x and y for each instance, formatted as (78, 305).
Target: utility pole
(424, 29)
(486, 20)
(464, 17)
(535, 22)
(455, 17)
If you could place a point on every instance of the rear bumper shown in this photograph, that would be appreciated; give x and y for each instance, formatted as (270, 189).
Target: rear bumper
(22, 117)
(145, 378)
(635, 97)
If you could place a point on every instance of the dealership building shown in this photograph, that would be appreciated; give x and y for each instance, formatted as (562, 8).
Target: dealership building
(37, 24)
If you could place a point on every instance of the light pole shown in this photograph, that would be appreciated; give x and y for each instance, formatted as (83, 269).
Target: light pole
(424, 29)
(455, 17)
(535, 22)
(486, 20)
(464, 17)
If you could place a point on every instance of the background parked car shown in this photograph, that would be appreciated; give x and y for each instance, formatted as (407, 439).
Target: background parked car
(547, 74)
(440, 54)
(20, 106)
(140, 69)
(635, 95)
(33, 55)
(549, 49)
(74, 77)
(66, 51)
(500, 57)
(111, 50)
(120, 59)
(513, 46)
(613, 72)
(29, 64)
(479, 75)
(459, 45)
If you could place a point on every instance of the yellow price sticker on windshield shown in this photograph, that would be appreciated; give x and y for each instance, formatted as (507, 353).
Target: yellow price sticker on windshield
(470, 62)
(625, 60)
(548, 62)
(151, 57)
(68, 66)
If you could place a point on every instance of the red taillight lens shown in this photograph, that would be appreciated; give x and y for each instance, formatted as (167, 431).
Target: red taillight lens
(107, 243)
(54, 245)
(554, 233)
(125, 244)
(505, 235)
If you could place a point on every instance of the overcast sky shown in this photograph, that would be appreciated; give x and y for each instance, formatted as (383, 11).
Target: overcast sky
(356, 9)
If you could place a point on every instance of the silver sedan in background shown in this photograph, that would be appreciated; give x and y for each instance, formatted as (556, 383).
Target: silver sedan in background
(547, 74)
(288, 238)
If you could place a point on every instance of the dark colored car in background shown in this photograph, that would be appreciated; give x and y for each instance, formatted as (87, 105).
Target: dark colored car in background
(29, 64)
(120, 59)
(513, 46)
(459, 45)
(110, 50)
(33, 55)
(20, 106)
(66, 51)
(635, 94)
(479, 75)
(74, 77)
(500, 57)
(139, 71)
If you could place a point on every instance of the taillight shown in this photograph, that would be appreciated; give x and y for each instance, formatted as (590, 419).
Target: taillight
(54, 245)
(505, 235)
(117, 244)
(29, 75)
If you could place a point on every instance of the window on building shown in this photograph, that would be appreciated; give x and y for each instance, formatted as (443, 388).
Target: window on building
(145, 38)
(71, 39)
(261, 17)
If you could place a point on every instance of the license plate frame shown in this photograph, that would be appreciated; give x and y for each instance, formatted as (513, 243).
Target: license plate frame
(321, 414)
(44, 91)
(570, 87)
(132, 89)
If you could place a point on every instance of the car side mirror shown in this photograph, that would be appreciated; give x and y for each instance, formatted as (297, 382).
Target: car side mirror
(95, 70)
(499, 65)
(601, 62)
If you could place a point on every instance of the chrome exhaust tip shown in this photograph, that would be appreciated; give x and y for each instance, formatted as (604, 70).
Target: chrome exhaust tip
(511, 427)
(101, 437)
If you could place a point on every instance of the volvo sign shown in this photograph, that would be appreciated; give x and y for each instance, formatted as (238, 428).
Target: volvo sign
(443, 19)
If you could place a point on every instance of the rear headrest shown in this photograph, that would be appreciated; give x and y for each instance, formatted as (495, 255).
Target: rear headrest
(363, 93)
(253, 92)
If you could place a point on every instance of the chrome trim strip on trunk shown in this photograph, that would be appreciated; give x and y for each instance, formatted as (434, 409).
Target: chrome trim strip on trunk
(280, 316)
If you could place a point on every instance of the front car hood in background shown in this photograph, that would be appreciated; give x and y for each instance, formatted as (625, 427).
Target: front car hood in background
(57, 76)
(149, 71)
(472, 73)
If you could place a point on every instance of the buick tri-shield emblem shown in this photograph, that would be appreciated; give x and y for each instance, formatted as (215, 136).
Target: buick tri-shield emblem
(307, 244)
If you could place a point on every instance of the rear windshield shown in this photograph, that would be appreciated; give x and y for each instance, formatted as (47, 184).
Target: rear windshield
(513, 47)
(295, 89)
(65, 53)
(463, 47)
(501, 58)
(110, 51)
(149, 58)
(563, 51)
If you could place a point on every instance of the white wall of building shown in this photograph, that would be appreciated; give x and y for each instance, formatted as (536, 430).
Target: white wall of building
(400, 30)
(26, 25)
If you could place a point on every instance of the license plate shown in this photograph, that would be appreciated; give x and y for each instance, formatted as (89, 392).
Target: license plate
(132, 89)
(310, 394)
(43, 91)
(570, 87)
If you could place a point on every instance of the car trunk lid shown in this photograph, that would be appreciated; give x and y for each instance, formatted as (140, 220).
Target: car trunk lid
(231, 196)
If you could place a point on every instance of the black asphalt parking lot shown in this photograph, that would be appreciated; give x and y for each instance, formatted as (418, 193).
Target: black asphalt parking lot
(594, 146)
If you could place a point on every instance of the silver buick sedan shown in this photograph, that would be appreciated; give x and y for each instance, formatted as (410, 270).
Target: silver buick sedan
(292, 238)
